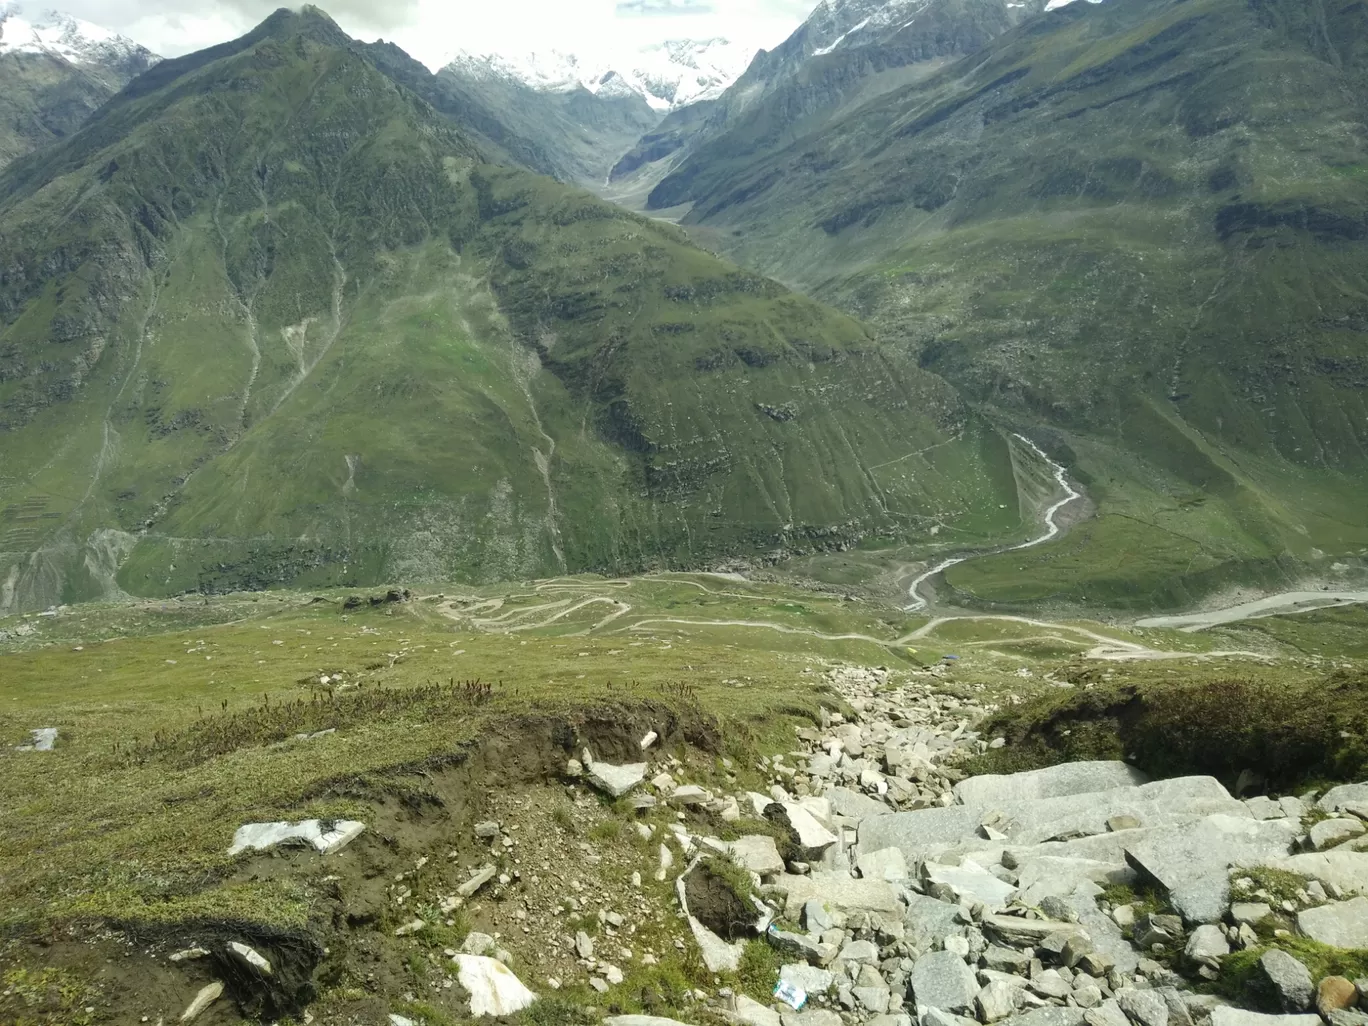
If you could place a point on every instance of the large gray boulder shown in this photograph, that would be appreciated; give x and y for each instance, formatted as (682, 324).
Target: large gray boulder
(1071, 778)
(852, 804)
(1192, 862)
(928, 921)
(940, 979)
(1174, 803)
(1290, 979)
(839, 892)
(1143, 1007)
(969, 883)
(1342, 924)
(1337, 798)
(1330, 832)
(1239, 1017)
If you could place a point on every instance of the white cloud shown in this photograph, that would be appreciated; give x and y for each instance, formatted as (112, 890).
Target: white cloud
(431, 29)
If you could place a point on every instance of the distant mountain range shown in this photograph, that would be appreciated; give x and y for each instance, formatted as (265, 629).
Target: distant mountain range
(55, 70)
(844, 54)
(666, 76)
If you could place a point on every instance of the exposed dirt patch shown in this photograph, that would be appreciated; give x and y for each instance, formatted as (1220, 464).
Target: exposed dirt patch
(565, 860)
(713, 901)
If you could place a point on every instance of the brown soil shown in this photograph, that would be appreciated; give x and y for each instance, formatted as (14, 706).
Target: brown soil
(563, 871)
(714, 903)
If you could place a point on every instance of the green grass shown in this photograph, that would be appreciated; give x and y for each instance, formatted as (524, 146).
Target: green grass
(1242, 979)
(1297, 727)
(1129, 271)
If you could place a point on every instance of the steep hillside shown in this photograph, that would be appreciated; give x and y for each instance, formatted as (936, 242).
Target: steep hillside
(1140, 224)
(844, 54)
(269, 317)
(55, 71)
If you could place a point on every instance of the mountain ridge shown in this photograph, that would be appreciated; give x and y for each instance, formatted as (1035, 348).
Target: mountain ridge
(1109, 225)
(55, 71)
(356, 351)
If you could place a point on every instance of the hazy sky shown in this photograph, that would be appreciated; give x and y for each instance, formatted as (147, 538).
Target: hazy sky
(429, 29)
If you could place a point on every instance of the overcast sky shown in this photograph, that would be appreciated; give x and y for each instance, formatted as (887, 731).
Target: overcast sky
(430, 29)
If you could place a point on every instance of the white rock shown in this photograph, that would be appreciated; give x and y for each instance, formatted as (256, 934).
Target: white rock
(206, 997)
(260, 836)
(885, 864)
(970, 882)
(410, 928)
(750, 1012)
(250, 957)
(615, 781)
(811, 833)
(492, 987)
(997, 1001)
(486, 873)
(666, 862)
(807, 977)
(649, 740)
(689, 794)
(756, 852)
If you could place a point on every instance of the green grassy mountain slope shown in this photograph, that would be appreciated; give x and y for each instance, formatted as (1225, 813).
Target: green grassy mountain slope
(1138, 229)
(270, 317)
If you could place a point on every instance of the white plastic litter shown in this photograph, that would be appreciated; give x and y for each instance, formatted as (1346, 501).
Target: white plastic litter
(791, 994)
(44, 738)
(492, 987)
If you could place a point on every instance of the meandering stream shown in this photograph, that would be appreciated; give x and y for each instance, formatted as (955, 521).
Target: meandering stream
(1051, 530)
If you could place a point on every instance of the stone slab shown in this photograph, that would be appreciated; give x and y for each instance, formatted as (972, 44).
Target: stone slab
(1193, 862)
(1342, 924)
(615, 781)
(1072, 778)
(1347, 870)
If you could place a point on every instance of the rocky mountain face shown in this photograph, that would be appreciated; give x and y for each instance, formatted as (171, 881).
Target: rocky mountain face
(1114, 222)
(353, 350)
(845, 53)
(55, 71)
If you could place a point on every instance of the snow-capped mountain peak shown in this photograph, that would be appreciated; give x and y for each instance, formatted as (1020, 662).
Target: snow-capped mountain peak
(666, 75)
(61, 35)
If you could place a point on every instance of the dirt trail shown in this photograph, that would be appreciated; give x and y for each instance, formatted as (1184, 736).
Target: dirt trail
(545, 614)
